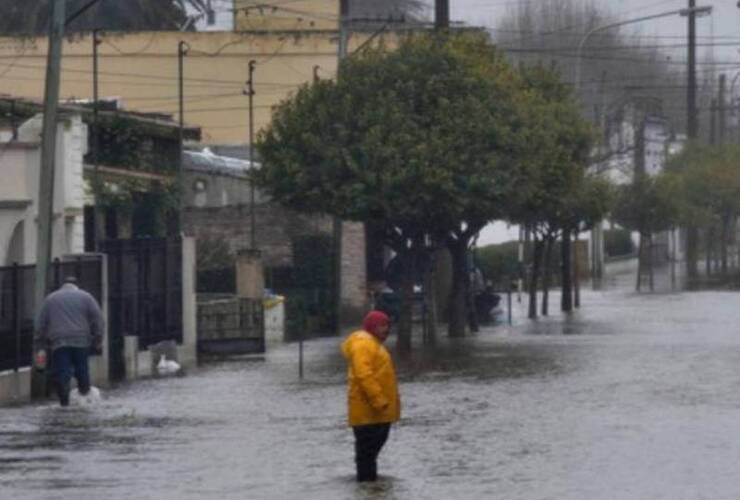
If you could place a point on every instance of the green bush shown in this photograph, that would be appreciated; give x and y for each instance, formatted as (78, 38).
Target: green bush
(618, 242)
(499, 263)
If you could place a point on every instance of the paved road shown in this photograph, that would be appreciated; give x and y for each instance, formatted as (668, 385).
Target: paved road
(633, 397)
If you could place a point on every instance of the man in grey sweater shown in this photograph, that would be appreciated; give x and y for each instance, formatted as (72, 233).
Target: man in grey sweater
(70, 322)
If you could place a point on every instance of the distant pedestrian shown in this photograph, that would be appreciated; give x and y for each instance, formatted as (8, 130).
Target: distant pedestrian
(374, 403)
(70, 323)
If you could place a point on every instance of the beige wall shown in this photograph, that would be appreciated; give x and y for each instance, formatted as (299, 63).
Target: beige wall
(141, 69)
(297, 14)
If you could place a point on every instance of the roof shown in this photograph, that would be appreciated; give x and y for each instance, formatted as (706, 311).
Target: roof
(207, 161)
(156, 124)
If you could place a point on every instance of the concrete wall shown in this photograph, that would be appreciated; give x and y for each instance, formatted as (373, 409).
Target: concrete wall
(19, 190)
(141, 69)
(353, 290)
(15, 388)
(290, 16)
(275, 231)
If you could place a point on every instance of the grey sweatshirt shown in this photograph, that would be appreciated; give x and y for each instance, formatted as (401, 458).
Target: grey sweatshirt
(69, 317)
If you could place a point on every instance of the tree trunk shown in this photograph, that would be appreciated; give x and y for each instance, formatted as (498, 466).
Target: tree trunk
(640, 257)
(534, 277)
(725, 241)
(547, 276)
(651, 274)
(430, 301)
(576, 272)
(709, 234)
(458, 301)
(407, 299)
(566, 299)
(692, 254)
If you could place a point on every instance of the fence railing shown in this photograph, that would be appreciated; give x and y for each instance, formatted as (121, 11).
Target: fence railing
(231, 325)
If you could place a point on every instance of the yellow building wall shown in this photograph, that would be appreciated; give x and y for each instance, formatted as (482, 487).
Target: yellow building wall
(294, 15)
(142, 70)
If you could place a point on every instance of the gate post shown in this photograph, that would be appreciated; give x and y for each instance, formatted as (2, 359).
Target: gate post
(189, 302)
(105, 307)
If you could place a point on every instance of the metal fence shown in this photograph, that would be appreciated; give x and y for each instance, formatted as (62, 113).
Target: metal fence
(144, 294)
(233, 325)
(17, 303)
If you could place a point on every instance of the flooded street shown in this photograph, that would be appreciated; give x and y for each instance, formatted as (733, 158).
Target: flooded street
(632, 397)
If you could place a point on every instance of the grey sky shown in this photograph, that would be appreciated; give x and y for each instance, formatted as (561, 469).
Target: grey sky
(724, 22)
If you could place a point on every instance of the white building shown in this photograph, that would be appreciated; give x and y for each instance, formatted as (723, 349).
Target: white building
(20, 161)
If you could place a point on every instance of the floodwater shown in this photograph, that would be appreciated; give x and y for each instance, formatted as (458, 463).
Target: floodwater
(632, 397)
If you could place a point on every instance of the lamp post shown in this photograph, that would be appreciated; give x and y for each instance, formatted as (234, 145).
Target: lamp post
(252, 218)
(182, 51)
(598, 243)
(592, 31)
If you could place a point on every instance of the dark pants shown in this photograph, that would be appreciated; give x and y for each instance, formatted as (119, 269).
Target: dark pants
(369, 439)
(68, 361)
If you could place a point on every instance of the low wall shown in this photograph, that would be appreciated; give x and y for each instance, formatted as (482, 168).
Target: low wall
(15, 387)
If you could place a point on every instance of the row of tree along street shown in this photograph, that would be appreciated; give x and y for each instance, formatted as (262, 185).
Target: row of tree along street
(700, 191)
(432, 141)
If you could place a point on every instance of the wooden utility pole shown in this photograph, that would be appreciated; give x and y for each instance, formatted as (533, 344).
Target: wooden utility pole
(337, 229)
(94, 143)
(46, 175)
(693, 114)
(722, 108)
(692, 131)
(442, 14)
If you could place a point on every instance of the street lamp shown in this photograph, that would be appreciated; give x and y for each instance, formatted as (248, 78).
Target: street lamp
(597, 238)
(681, 12)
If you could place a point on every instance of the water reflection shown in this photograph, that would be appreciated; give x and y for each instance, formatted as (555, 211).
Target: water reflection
(632, 397)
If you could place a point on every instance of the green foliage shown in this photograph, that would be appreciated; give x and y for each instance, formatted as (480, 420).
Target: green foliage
(618, 242)
(647, 205)
(313, 261)
(420, 138)
(557, 193)
(123, 144)
(32, 16)
(499, 263)
(706, 182)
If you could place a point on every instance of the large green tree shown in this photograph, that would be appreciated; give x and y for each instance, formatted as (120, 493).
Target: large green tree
(31, 17)
(551, 203)
(422, 141)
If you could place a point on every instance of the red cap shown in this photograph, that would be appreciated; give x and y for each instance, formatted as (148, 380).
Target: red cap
(373, 320)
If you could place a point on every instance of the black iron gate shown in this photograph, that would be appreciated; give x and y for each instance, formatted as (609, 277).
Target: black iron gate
(17, 306)
(144, 294)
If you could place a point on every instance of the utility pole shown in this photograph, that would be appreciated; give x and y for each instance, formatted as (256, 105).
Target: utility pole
(722, 108)
(252, 218)
(337, 229)
(692, 131)
(182, 50)
(95, 146)
(713, 122)
(692, 118)
(441, 14)
(45, 215)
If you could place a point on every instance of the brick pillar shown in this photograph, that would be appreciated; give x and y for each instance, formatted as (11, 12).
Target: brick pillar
(353, 298)
(250, 276)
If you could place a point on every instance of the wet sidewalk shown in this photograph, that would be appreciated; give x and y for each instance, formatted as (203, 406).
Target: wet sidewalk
(633, 397)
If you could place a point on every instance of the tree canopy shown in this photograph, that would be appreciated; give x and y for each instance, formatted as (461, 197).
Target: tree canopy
(31, 17)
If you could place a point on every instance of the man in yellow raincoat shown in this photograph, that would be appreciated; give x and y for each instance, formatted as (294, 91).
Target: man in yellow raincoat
(374, 403)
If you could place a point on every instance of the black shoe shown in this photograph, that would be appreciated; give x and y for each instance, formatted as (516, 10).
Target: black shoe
(63, 393)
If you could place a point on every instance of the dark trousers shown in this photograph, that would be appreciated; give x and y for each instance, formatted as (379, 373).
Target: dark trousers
(68, 361)
(369, 439)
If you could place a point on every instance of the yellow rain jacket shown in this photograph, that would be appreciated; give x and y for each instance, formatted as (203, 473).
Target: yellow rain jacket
(372, 386)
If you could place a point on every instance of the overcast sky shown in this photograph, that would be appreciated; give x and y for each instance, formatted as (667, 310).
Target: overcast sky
(724, 22)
